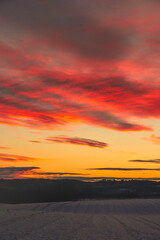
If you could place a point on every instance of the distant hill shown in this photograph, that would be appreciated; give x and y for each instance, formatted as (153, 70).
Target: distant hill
(44, 190)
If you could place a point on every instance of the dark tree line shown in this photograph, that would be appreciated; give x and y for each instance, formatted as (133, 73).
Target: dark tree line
(43, 190)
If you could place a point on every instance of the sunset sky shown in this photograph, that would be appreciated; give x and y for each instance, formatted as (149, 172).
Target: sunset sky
(80, 89)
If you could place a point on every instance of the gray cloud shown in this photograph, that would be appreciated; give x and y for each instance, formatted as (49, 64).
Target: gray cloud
(104, 118)
(146, 161)
(57, 174)
(15, 172)
(68, 27)
(125, 169)
(78, 141)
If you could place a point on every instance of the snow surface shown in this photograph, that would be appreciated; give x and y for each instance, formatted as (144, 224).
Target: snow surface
(82, 220)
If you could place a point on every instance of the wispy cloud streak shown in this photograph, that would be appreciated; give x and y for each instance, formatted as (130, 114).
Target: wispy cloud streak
(153, 138)
(146, 161)
(77, 141)
(46, 174)
(15, 158)
(4, 148)
(34, 141)
(124, 169)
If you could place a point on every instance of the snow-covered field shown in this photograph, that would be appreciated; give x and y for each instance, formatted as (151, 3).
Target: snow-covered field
(82, 220)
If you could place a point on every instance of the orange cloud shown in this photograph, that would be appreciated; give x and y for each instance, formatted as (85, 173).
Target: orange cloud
(34, 141)
(2, 147)
(153, 138)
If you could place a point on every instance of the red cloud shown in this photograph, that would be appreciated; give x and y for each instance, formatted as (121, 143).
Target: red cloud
(102, 103)
(74, 66)
(14, 158)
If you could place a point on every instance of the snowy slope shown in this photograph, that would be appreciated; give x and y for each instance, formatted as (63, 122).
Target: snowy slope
(134, 219)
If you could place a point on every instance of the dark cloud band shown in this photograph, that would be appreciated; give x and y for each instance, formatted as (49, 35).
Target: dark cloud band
(146, 161)
(57, 174)
(15, 172)
(124, 169)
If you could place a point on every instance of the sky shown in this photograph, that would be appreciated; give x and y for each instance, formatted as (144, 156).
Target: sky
(80, 89)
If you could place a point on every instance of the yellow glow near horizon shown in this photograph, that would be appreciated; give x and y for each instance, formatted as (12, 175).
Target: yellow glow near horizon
(72, 158)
